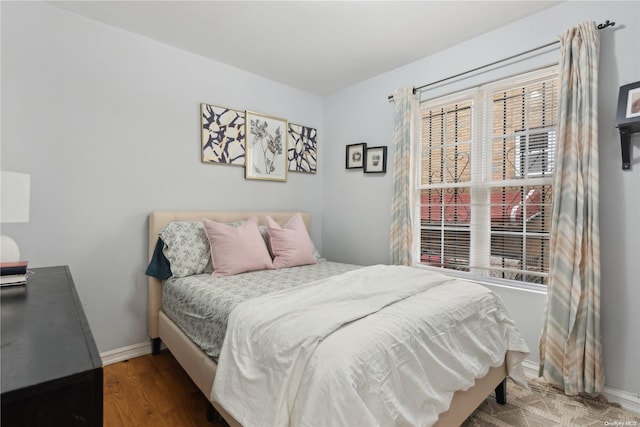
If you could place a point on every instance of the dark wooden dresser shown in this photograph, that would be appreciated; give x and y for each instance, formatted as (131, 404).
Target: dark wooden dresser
(51, 372)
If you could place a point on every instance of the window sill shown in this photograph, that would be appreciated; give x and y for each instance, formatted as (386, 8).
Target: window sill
(504, 284)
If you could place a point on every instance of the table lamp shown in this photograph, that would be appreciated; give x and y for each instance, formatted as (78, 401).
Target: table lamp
(14, 207)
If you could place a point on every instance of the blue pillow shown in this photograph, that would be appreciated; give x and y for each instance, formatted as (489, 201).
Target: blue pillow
(159, 266)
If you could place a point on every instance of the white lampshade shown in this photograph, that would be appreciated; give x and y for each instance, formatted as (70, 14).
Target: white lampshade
(15, 197)
(14, 207)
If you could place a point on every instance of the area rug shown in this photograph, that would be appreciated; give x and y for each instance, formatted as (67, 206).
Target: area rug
(544, 405)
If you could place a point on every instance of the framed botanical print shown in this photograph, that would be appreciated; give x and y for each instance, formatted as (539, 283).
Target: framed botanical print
(266, 147)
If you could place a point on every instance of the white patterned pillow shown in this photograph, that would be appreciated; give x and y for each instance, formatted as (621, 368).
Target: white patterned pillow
(187, 248)
(316, 253)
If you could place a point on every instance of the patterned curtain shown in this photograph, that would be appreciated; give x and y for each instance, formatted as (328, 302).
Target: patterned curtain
(570, 347)
(405, 116)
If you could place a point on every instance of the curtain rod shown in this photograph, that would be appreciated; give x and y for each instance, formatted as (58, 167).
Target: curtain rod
(415, 89)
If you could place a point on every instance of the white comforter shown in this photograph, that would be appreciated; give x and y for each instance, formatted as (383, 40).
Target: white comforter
(382, 345)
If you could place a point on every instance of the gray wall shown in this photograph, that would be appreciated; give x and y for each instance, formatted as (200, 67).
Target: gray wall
(107, 124)
(357, 212)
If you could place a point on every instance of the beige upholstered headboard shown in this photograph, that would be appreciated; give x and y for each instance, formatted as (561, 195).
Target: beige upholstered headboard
(157, 220)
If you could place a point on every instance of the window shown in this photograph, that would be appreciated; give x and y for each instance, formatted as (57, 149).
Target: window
(484, 179)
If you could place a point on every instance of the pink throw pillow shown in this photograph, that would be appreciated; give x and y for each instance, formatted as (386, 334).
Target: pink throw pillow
(237, 249)
(290, 245)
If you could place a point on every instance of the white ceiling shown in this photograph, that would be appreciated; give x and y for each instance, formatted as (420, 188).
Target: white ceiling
(319, 47)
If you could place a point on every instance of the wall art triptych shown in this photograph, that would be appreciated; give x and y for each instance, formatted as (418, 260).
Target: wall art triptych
(268, 147)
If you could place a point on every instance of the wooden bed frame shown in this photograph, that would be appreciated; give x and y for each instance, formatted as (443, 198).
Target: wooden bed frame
(202, 369)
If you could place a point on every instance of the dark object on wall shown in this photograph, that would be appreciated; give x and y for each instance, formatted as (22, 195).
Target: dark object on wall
(51, 368)
(628, 119)
(355, 155)
(375, 160)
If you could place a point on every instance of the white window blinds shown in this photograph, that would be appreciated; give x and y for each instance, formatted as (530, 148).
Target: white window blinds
(485, 170)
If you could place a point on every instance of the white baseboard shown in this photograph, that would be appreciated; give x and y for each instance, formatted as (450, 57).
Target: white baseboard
(530, 369)
(124, 353)
(627, 400)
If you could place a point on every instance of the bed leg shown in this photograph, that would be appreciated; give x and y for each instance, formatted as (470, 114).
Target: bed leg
(155, 346)
(501, 392)
(211, 412)
(213, 415)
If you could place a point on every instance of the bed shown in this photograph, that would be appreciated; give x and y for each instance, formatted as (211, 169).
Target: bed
(202, 367)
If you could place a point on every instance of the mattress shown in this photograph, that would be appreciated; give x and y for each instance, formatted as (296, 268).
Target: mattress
(200, 305)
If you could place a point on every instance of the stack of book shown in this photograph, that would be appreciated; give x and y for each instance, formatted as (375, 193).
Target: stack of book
(13, 273)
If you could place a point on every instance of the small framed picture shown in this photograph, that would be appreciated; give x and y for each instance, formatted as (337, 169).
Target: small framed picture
(633, 103)
(628, 105)
(375, 160)
(266, 147)
(355, 155)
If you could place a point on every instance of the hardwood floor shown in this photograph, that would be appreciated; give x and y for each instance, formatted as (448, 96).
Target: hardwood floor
(153, 391)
